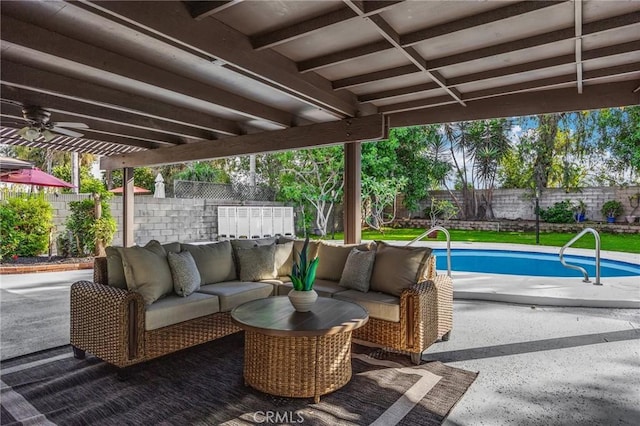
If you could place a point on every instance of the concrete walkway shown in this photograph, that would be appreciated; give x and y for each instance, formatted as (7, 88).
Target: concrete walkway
(538, 365)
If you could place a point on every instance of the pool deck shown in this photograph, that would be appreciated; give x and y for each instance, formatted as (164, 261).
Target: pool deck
(615, 292)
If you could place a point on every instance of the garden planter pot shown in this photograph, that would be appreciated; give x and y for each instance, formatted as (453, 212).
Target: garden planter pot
(580, 217)
(611, 219)
(432, 234)
(630, 219)
(303, 301)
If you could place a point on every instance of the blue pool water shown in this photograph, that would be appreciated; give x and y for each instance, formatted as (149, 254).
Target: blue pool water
(529, 263)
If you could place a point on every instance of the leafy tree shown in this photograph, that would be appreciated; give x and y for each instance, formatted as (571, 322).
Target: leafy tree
(204, 171)
(144, 177)
(618, 130)
(381, 181)
(418, 162)
(475, 150)
(313, 176)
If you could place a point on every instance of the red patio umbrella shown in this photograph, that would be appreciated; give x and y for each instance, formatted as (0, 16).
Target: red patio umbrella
(34, 177)
(136, 190)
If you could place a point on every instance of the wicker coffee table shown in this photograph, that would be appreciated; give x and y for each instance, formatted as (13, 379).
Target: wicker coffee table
(293, 354)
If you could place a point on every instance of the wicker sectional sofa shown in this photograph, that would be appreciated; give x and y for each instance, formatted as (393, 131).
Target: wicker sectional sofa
(123, 318)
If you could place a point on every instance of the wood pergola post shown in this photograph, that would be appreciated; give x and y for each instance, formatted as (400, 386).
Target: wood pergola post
(127, 207)
(352, 193)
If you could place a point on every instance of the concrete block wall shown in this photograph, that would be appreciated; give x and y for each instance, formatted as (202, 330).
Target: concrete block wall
(162, 219)
(517, 204)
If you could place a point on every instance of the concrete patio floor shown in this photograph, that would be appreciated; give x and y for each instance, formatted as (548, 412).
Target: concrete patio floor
(538, 365)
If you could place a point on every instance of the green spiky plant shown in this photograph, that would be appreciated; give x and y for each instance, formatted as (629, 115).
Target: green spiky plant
(303, 273)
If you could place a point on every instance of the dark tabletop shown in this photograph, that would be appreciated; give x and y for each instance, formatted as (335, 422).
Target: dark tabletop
(276, 316)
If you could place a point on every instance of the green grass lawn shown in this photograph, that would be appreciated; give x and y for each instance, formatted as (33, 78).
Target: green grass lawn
(629, 243)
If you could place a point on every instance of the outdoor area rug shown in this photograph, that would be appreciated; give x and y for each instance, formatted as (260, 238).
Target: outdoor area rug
(204, 386)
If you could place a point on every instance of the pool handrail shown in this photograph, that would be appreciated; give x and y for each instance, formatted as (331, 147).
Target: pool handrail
(430, 230)
(578, 268)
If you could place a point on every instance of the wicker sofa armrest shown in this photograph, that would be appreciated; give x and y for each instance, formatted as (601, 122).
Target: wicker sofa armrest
(100, 270)
(426, 312)
(107, 322)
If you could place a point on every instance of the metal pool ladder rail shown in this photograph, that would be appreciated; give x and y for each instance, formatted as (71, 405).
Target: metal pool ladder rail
(578, 268)
(427, 232)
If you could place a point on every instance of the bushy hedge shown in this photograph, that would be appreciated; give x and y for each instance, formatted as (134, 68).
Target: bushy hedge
(561, 212)
(25, 223)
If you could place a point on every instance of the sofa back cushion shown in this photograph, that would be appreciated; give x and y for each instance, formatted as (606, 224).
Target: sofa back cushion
(147, 271)
(397, 268)
(284, 258)
(214, 261)
(115, 269)
(257, 263)
(334, 257)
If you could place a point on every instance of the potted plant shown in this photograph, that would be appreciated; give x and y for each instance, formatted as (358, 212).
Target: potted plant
(611, 209)
(579, 211)
(441, 209)
(303, 274)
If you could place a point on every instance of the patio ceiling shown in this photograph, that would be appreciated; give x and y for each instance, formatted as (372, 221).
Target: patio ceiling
(168, 82)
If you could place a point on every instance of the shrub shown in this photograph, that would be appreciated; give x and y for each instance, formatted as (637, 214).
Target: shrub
(25, 226)
(561, 212)
(84, 230)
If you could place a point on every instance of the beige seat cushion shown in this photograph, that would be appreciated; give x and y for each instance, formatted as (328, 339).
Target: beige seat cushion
(324, 288)
(234, 293)
(214, 261)
(333, 258)
(397, 268)
(147, 271)
(381, 306)
(174, 309)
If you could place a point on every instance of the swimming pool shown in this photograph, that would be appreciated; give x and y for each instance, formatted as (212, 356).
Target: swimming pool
(529, 263)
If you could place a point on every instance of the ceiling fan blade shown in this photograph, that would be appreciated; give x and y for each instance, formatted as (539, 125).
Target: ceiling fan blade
(66, 132)
(71, 125)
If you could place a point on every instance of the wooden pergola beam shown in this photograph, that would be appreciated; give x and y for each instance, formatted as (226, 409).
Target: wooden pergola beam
(26, 77)
(203, 9)
(35, 38)
(103, 113)
(171, 20)
(425, 34)
(529, 103)
(333, 132)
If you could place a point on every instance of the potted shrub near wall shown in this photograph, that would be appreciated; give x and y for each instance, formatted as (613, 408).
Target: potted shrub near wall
(580, 211)
(611, 209)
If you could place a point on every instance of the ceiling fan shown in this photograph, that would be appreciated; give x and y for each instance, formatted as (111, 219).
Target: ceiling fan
(40, 124)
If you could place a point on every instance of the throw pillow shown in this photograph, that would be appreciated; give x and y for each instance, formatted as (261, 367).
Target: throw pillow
(284, 258)
(186, 277)
(333, 258)
(147, 271)
(357, 270)
(214, 261)
(396, 268)
(257, 263)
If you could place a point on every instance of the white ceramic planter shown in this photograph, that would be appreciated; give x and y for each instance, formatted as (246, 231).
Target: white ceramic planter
(303, 301)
